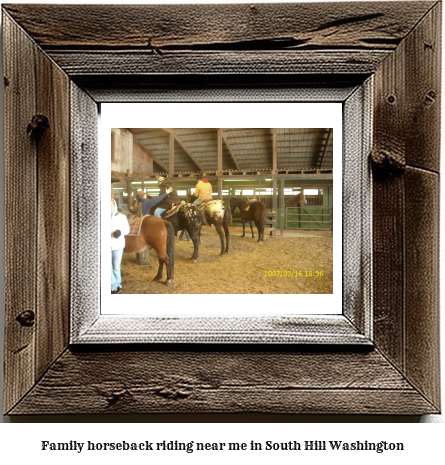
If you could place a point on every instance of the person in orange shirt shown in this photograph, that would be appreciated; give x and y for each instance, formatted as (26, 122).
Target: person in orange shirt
(203, 191)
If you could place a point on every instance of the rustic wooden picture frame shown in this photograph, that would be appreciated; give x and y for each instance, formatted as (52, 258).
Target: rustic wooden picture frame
(62, 66)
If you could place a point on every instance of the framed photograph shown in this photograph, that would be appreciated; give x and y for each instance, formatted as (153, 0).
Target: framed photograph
(358, 97)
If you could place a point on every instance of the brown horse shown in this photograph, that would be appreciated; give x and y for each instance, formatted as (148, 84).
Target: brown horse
(159, 235)
(251, 211)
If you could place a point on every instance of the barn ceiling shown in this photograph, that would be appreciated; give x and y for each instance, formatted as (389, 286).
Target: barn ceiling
(195, 150)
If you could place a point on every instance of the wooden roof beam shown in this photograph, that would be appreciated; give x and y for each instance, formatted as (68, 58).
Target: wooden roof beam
(181, 144)
(224, 136)
(325, 147)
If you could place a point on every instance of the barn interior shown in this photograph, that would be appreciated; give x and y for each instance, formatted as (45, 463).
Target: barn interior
(276, 166)
(273, 165)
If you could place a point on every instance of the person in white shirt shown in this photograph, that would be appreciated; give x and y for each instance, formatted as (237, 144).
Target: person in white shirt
(119, 229)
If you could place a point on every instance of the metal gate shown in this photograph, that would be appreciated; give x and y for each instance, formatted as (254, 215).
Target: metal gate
(308, 217)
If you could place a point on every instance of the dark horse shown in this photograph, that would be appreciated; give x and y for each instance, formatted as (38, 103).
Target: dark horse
(159, 235)
(190, 218)
(217, 212)
(254, 211)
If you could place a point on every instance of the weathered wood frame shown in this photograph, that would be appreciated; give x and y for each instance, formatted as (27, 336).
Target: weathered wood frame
(65, 64)
(90, 323)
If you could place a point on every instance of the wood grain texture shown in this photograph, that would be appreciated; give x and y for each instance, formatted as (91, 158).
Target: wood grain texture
(406, 129)
(21, 224)
(219, 88)
(37, 169)
(228, 39)
(304, 45)
(53, 207)
(422, 281)
(260, 26)
(218, 381)
(84, 177)
(128, 63)
(423, 49)
(407, 118)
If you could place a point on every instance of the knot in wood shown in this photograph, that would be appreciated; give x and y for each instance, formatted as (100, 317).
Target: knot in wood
(115, 396)
(26, 318)
(37, 126)
(430, 97)
(172, 393)
(387, 163)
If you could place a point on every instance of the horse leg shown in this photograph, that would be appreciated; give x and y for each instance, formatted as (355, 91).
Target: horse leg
(226, 230)
(260, 231)
(244, 228)
(163, 258)
(168, 265)
(195, 237)
(251, 228)
(161, 266)
(221, 236)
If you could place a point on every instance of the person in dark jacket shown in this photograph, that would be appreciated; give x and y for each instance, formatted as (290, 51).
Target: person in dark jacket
(148, 204)
(172, 198)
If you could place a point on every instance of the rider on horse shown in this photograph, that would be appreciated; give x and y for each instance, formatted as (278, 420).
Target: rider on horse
(166, 186)
(203, 191)
(148, 204)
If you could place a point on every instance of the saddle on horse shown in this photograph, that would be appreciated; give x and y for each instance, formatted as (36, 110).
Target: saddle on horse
(203, 204)
(135, 223)
(172, 211)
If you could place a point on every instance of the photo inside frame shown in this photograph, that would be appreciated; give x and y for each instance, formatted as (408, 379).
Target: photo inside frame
(295, 270)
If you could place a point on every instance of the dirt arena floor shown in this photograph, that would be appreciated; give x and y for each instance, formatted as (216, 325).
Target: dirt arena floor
(249, 268)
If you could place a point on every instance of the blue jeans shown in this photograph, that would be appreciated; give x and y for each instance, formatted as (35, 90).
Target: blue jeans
(197, 202)
(116, 258)
(159, 211)
(187, 235)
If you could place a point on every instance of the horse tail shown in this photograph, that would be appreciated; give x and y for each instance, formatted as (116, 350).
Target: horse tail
(170, 245)
(227, 214)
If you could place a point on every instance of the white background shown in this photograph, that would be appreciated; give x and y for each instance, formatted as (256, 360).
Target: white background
(224, 115)
(20, 442)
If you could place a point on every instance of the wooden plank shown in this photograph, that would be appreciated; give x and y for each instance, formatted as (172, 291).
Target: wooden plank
(20, 236)
(238, 228)
(403, 120)
(388, 199)
(274, 152)
(171, 155)
(155, 159)
(229, 148)
(422, 359)
(207, 382)
(53, 205)
(219, 155)
(224, 26)
(423, 88)
(85, 211)
(325, 146)
(181, 144)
